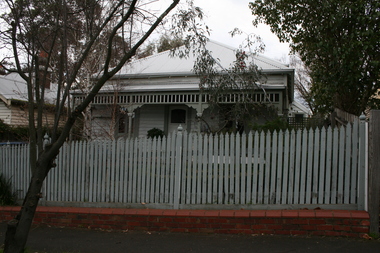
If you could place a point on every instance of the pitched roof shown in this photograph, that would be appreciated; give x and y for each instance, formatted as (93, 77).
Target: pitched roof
(163, 72)
(297, 107)
(163, 64)
(13, 87)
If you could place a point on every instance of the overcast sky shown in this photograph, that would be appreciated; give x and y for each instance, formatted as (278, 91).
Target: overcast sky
(223, 16)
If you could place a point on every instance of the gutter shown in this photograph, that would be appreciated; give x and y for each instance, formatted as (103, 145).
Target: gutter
(187, 74)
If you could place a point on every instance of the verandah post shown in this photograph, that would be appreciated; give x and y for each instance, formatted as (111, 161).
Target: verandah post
(362, 163)
(178, 168)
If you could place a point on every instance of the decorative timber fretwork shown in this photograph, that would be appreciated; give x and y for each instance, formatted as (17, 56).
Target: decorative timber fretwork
(179, 98)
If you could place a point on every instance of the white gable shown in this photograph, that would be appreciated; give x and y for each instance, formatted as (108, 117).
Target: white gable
(298, 108)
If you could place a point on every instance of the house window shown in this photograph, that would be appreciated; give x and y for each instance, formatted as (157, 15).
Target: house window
(273, 97)
(276, 97)
(124, 123)
(178, 116)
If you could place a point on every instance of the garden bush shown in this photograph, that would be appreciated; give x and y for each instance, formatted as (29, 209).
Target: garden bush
(7, 196)
(155, 133)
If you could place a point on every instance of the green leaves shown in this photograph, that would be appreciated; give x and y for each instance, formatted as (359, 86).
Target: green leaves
(339, 42)
(7, 196)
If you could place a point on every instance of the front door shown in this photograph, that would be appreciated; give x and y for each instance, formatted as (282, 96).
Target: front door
(177, 116)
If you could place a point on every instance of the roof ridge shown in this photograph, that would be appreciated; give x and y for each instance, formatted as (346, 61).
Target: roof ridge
(152, 56)
(272, 62)
(169, 50)
(223, 45)
(12, 80)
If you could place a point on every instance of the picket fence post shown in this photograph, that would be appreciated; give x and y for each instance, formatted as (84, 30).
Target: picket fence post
(46, 141)
(178, 168)
(362, 164)
(186, 171)
(374, 171)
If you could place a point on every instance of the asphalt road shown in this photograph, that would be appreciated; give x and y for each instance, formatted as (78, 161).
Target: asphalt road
(59, 240)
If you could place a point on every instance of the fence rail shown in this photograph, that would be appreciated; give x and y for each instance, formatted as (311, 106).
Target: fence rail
(344, 117)
(299, 123)
(291, 169)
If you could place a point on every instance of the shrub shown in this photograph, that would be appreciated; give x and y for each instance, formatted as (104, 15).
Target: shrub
(155, 133)
(19, 133)
(7, 197)
(13, 133)
(276, 124)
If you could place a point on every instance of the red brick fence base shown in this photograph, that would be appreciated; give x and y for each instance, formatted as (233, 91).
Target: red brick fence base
(280, 222)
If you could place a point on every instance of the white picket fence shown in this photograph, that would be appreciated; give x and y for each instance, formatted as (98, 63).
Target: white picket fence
(317, 168)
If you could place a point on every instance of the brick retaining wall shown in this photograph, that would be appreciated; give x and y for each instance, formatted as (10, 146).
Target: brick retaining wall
(280, 222)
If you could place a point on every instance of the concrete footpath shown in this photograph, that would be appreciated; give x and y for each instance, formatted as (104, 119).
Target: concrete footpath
(59, 240)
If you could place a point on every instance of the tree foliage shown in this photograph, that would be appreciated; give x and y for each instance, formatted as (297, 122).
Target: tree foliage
(167, 43)
(339, 41)
(74, 40)
(7, 196)
(13, 133)
(242, 78)
(164, 43)
(302, 82)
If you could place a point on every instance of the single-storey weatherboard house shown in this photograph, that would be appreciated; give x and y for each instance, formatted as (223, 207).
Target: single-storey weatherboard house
(14, 100)
(162, 91)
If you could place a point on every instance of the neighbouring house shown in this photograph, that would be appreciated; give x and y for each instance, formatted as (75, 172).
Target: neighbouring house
(298, 110)
(299, 116)
(162, 91)
(14, 101)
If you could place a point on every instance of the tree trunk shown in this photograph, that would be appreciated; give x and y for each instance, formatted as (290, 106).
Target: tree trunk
(18, 228)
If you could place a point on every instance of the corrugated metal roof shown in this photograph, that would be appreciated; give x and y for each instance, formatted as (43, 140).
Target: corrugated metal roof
(13, 87)
(163, 64)
(163, 72)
